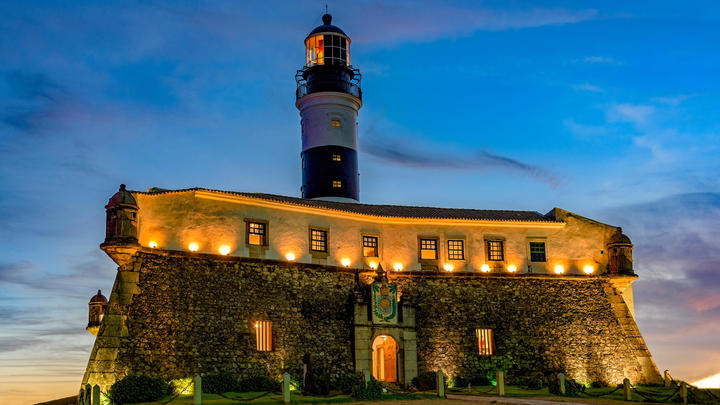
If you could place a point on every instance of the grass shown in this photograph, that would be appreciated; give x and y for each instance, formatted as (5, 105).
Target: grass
(256, 398)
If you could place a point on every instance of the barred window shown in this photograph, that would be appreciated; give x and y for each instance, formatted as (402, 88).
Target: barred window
(335, 123)
(428, 249)
(495, 251)
(263, 335)
(337, 183)
(318, 240)
(537, 252)
(456, 249)
(256, 233)
(336, 158)
(485, 341)
(370, 246)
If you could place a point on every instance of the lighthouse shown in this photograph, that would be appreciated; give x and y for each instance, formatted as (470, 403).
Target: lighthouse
(328, 97)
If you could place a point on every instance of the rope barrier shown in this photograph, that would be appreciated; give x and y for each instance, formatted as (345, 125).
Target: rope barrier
(601, 395)
(179, 393)
(246, 399)
(648, 397)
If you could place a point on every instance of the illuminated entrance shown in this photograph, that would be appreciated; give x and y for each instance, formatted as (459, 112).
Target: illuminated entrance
(384, 358)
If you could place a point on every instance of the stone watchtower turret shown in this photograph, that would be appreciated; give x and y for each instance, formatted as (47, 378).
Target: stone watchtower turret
(620, 254)
(96, 309)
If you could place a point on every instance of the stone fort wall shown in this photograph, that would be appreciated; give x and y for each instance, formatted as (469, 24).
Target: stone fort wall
(176, 314)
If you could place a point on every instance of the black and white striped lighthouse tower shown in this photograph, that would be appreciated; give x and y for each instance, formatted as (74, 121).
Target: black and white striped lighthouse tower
(329, 97)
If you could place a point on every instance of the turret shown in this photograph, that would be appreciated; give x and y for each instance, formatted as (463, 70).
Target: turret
(121, 218)
(620, 254)
(328, 96)
(96, 310)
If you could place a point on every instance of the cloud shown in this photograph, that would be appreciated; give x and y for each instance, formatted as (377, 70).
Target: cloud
(588, 87)
(636, 114)
(401, 153)
(672, 100)
(34, 97)
(584, 130)
(597, 59)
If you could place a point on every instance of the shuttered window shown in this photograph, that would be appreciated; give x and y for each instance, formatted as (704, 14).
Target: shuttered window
(485, 341)
(263, 335)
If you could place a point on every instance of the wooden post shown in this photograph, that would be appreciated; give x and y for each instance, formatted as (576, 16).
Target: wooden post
(626, 389)
(667, 378)
(88, 394)
(81, 397)
(440, 380)
(561, 381)
(197, 391)
(96, 395)
(500, 378)
(469, 388)
(286, 388)
(684, 392)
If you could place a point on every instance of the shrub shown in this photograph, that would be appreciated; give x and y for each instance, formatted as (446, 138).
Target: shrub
(220, 383)
(344, 382)
(138, 388)
(258, 384)
(572, 387)
(598, 384)
(425, 381)
(368, 391)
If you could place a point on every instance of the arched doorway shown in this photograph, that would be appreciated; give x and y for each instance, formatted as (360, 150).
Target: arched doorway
(384, 358)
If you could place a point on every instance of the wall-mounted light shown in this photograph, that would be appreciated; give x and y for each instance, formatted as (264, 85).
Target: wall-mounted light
(153, 244)
(559, 269)
(485, 268)
(589, 269)
(345, 262)
(398, 267)
(290, 256)
(512, 268)
(193, 247)
(373, 265)
(224, 250)
(448, 267)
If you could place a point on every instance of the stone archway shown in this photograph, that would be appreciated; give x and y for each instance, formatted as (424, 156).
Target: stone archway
(385, 358)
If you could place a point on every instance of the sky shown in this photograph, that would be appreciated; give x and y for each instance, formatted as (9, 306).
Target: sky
(609, 109)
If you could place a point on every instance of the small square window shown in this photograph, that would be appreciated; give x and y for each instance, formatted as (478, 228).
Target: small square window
(336, 158)
(318, 240)
(370, 246)
(337, 184)
(485, 341)
(456, 249)
(263, 335)
(495, 251)
(537, 252)
(256, 233)
(335, 123)
(428, 249)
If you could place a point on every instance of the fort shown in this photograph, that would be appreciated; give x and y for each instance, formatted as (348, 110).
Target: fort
(249, 283)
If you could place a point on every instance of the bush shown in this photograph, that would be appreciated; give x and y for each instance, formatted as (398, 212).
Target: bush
(572, 387)
(368, 391)
(220, 383)
(138, 388)
(598, 384)
(425, 381)
(258, 384)
(344, 382)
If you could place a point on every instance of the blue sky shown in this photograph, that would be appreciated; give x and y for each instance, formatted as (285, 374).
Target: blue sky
(608, 109)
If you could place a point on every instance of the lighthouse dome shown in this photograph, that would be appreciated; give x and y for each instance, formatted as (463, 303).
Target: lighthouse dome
(327, 26)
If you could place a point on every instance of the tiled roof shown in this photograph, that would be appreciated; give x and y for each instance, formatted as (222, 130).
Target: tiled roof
(396, 211)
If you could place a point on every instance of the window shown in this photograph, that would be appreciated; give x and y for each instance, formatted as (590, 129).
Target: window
(370, 246)
(335, 123)
(263, 335)
(318, 240)
(336, 158)
(456, 249)
(485, 341)
(537, 252)
(337, 184)
(428, 249)
(495, 251)
(256, 233)
(326, 49)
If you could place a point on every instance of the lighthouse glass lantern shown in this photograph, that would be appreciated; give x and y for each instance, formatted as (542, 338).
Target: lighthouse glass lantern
(327, 49)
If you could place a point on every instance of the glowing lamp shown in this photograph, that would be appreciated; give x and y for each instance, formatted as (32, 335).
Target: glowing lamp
(290, 257)
(398, 267)
(448, 267)
(153, 244)
(345, 262)
(512, 268)
(373, 265)
(559, 269)
(257, 324)
(224, 250)
(485, 268)
(193, 247)
(589, 269)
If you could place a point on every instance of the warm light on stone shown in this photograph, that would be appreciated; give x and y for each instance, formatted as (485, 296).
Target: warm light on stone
(290, 256)
(224, 250)
(588, 269)
(193, 247)
(448, 267)
(153, 244)
(345, 262)
(485, 268)
(398, 267)
(373, 265)
(559, 269)
(512, 268)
